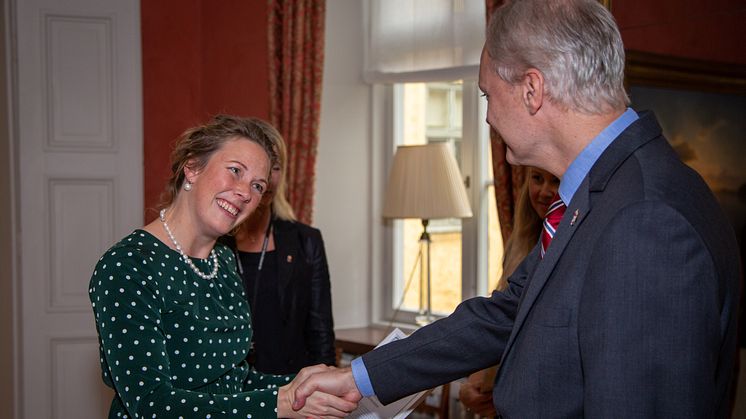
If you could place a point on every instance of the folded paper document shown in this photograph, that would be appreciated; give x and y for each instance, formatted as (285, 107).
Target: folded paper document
(371, 408)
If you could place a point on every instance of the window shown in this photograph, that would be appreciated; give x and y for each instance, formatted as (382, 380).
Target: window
(414, 50)
(466, 255)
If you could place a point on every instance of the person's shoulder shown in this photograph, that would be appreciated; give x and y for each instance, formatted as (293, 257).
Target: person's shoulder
(133, 256)
(136, 254)
(304, 229)
(294, 225)
(133, 242)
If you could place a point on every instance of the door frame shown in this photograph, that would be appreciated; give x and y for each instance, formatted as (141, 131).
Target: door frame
(10, 355)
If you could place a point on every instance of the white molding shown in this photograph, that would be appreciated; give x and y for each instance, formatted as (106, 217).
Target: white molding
(471, 149)
(380, 133)
(434, 75)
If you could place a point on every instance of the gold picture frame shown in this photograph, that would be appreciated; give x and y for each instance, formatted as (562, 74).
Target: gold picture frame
(656, 70)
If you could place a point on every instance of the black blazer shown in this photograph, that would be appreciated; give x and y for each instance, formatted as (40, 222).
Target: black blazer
(307, 337)
(631, 313)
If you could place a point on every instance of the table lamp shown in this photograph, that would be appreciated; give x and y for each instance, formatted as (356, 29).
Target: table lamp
(425, 183)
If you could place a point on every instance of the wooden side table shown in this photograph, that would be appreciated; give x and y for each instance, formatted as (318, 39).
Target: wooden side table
(359, 340)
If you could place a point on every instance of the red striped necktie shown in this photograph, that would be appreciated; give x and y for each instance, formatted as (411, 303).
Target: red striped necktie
(551, 221)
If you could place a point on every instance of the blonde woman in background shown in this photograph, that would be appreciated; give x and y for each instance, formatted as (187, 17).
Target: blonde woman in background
(536, 196)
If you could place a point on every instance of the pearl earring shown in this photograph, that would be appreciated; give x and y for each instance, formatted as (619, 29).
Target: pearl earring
(187, 186)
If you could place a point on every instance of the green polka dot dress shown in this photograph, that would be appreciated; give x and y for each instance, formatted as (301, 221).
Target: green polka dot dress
(171, 343)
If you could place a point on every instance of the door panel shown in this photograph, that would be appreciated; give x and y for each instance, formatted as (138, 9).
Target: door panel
(79, 140)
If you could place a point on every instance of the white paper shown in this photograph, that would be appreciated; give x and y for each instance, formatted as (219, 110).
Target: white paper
(371, 408)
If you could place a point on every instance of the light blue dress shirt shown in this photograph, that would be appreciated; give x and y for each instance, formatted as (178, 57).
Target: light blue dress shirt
(576, 172)
(579, 168)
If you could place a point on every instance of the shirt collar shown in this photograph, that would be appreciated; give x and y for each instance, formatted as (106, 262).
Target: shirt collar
(579, 168)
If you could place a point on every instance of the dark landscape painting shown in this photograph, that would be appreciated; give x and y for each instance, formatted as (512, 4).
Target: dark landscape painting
(708, 130)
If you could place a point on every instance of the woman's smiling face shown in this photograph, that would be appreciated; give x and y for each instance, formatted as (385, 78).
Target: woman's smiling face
(542, 186)
(230, 186)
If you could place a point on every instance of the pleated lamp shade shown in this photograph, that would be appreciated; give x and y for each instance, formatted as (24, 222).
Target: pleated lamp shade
(425, 183)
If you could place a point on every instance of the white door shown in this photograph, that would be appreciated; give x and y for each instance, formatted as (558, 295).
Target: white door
(77, 108)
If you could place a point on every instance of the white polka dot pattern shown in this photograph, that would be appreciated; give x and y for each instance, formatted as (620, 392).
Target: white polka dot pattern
(173, 344)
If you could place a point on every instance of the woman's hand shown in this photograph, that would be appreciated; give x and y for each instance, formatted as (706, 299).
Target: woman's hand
(317, 405)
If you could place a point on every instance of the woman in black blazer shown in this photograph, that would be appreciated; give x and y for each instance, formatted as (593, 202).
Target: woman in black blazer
(283, 266)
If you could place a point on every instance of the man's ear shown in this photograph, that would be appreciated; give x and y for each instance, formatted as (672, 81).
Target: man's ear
(532, 90)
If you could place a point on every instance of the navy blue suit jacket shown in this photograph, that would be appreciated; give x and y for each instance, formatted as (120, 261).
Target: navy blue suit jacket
(631, 313)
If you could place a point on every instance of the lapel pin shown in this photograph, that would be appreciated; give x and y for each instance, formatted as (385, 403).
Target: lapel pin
(289, 258)
(574, 217)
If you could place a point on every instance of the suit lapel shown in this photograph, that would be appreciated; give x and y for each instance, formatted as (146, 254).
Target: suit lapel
(574, 215)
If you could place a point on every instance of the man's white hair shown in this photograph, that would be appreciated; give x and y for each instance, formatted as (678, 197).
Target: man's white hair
(575, 44)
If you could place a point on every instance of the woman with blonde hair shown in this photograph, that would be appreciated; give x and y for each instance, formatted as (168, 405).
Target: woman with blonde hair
(172, 320)
(537, 192)
(283, 266)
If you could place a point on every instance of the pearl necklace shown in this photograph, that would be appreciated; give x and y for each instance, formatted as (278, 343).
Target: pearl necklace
(186, 258)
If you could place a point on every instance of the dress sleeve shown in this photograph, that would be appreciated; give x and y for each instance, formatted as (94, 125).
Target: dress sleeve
(127, 308)
(260, 381)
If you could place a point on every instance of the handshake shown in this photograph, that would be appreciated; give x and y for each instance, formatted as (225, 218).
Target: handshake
(319, 391)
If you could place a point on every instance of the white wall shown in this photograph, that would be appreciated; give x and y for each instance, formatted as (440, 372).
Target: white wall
(343, 203)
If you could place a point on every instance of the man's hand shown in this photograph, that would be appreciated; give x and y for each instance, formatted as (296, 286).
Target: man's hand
(335, 381)
(315, 405)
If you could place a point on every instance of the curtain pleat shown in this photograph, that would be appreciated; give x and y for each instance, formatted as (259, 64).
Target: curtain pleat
(296, 64)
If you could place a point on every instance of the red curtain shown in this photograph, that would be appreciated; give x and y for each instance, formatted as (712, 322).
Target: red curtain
(508, 178)
(296, 62)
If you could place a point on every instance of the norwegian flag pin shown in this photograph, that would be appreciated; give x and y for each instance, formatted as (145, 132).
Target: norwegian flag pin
(574, 218)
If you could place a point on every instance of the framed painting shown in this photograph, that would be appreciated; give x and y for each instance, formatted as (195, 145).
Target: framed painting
(701, 107)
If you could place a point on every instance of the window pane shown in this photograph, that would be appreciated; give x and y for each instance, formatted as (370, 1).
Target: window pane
(445, 252)
(458, 109)
(437, 109)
